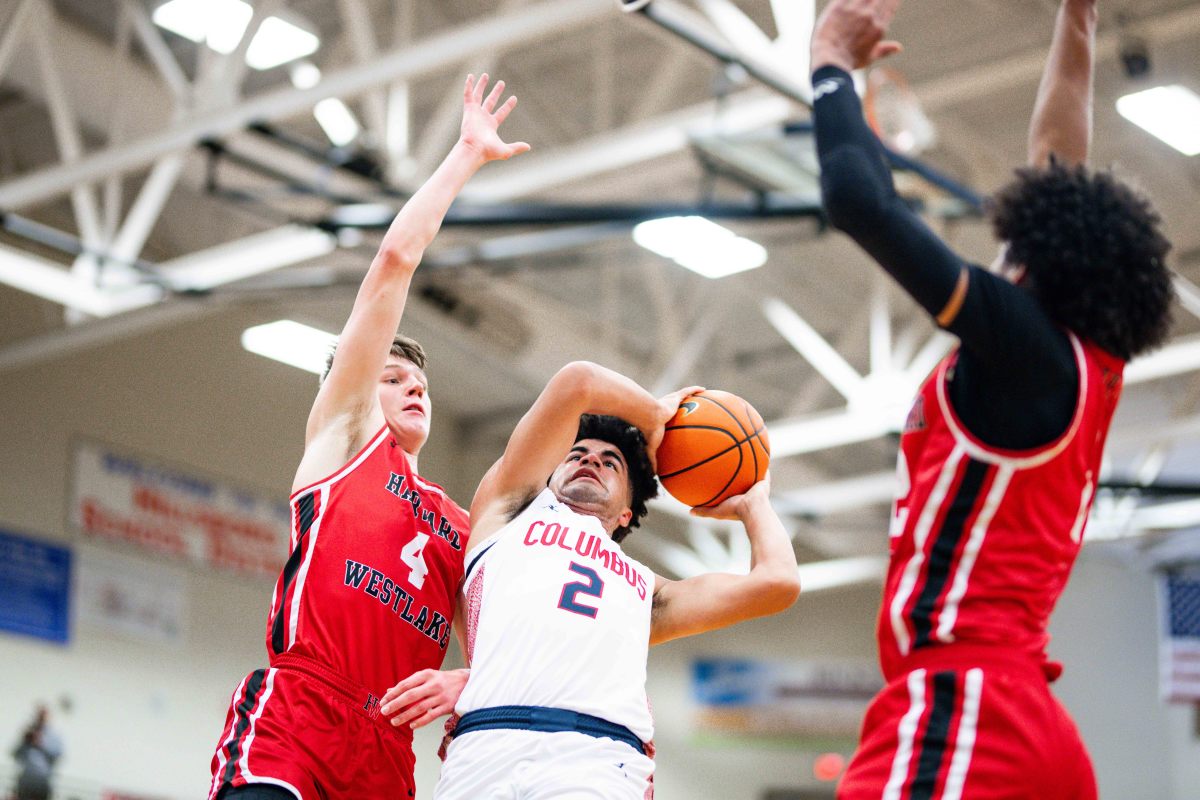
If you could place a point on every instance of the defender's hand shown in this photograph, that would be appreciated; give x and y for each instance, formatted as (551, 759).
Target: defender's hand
(849, 34)
(424, 696)
(482, 120)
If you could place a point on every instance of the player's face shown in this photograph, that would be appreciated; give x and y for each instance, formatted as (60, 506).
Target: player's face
(404, 398)
(595, 477)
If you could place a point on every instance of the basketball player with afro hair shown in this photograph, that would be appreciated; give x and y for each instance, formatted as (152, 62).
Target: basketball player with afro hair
(559, 618)
(1001, 451)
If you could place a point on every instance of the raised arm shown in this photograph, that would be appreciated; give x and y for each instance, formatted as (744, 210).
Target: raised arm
(547, 431)
(346, 409)
(718, 600)
(1062, 116)
(1007, 337)
(856, 182)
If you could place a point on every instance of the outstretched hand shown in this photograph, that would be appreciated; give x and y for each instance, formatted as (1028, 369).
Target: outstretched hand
(423, 696)
(482, 120)
(668, 404)
(849, 33)
(738, 506)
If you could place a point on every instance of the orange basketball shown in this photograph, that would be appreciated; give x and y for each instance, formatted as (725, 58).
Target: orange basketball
(714, 447)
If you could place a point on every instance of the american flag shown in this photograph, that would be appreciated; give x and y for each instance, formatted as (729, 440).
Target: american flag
(1180, 662)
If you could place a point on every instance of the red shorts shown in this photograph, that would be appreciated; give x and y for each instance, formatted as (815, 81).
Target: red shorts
(970, 722)
(302, 727)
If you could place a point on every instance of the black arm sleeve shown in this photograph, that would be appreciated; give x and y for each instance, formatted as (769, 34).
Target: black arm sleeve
(1015, 384)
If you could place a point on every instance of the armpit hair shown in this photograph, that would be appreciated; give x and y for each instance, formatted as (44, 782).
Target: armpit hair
(519, 504)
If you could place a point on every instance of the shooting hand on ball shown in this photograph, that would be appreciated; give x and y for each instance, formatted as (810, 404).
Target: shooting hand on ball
(740, 506)
(668, 405)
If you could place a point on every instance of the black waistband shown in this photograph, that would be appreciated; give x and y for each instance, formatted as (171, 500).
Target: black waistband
(545, 720)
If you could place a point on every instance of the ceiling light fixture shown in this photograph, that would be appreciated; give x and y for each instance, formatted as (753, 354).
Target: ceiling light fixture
(337, 121)
(1172, 113)
(292, 343)
(334, 116)
(221, 23)
(278, 42)
(700, 245)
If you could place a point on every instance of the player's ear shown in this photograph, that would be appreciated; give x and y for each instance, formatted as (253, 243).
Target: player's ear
(625, 517)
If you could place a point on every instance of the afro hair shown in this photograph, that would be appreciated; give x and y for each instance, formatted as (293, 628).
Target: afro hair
(1093, 252)
(629, 440)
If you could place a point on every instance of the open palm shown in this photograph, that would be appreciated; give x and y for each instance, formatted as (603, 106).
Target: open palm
(482, 120)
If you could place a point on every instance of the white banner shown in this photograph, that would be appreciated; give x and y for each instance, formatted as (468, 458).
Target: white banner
(168, 511)
(133, 597)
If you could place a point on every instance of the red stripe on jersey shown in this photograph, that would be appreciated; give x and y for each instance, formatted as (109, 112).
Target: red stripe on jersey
(474, 601)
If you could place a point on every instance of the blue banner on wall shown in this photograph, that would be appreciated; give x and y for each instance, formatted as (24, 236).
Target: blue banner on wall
(35, 588)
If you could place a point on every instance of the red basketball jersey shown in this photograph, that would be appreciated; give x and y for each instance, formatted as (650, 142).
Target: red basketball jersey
(377, 556)
(982, 540)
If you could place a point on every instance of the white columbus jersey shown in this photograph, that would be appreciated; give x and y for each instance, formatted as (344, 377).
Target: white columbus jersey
(558, 616)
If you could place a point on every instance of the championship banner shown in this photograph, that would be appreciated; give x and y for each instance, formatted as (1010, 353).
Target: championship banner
(165, 510)
(35, 588)
(819, 703)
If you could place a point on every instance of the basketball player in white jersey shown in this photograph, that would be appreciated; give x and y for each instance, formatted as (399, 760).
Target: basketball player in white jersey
(559, 619)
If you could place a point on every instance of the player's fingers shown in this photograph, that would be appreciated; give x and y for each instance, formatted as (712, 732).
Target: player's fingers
(425, 718)
(516, 148)
(409, 714)
(416, 679)
(493, 96)
(888, 9)
(725, 510)
(884, 49)
(480, 85)
(404, 699)
(506, 109)
(469, 89)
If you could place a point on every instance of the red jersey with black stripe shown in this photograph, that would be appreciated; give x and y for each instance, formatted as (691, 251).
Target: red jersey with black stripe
(983, 540)
(377, 556)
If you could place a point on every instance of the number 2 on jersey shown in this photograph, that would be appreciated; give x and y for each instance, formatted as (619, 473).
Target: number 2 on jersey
(594, 587)
(413, 557)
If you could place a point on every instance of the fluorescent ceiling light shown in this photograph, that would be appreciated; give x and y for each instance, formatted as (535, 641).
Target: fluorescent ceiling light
(363, 215)
(278, 42)
(334, 116)
(700, 245)
(305, 74)
(1172, 113)
(292, 343)
(221, 23)
(336, 120)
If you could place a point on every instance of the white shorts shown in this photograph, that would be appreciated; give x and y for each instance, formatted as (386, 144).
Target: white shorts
(502, 764)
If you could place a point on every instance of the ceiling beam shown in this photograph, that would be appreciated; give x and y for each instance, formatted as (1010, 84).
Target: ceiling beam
(442, 50)
(752, 109)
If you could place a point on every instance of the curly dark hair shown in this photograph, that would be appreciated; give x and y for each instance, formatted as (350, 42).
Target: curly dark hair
(1093, 252)
(629, 440)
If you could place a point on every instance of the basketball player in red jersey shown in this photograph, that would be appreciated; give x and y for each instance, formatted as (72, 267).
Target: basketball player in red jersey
(368, 592)
(1001, 452)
